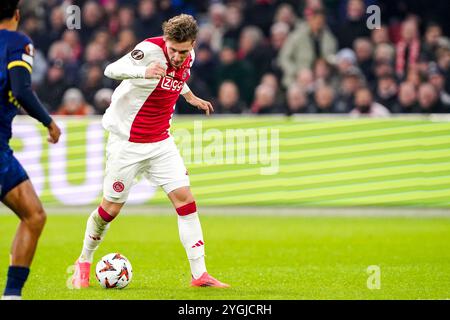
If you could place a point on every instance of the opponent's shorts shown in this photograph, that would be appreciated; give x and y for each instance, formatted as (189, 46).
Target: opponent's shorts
(159, 162)
(11, 172)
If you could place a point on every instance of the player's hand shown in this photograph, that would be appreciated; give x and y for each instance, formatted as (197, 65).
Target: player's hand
(201, 105)
(54, 133)
(155, 71)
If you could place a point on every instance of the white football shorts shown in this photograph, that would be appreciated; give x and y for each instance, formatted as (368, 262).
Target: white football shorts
(160, 162)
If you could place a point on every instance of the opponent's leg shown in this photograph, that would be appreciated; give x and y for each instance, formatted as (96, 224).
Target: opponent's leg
(26, 205)
(96, 227)
(191, 237)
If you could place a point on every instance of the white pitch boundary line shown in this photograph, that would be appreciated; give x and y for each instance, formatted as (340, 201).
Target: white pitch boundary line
(231, 211)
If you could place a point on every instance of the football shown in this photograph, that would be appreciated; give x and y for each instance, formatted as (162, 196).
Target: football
(114, 271)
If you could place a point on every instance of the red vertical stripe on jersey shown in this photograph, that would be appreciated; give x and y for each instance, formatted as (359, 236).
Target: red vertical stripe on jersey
(152, 122)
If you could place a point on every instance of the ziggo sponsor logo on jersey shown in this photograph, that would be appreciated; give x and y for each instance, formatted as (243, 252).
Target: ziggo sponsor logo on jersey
(171, 84)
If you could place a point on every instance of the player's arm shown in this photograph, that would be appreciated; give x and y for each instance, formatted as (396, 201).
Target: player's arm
(20, 78)
(20, 63)
(138, 64)
(192, 99)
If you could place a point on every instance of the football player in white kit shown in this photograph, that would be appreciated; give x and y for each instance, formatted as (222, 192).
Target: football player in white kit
(138, 120)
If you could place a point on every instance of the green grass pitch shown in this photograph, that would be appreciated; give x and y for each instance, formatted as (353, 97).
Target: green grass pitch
(262, 257)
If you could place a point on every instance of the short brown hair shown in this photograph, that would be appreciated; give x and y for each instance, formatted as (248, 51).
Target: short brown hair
(181, 28)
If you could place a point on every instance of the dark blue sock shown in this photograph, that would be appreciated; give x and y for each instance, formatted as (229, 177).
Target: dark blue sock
(16, 279)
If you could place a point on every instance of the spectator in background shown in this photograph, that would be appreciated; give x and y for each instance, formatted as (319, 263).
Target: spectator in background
(428, 98)
(386, 91)
(365, 105)
(279, 32)
(112, 24)
(57, 25)
(61, 51)
(205, 36)
(95, 54)
(40, 66)
(205, 65)
(74, 104)
(285, 14)
(408, 48)
(92, 18)
(350, 82)
(345, 60)
(422, 66)
(384, 52)
(443, 62)
(310, 6)
(234, 23)
(382, 69)
(355, 26)
(52, 89)
(437, 79)
(324, 73)
(272, 40)
(102, 100)
(380, 36)
(325, 99)
(407, 99)
(126, 17)
(104, 39)
(297, 101)
(33, 28)
(217, 23)
(307, 43)
(254, 51)
(272, 80)
(125, 43)
(384, 59)
(364, 56)
(413, 77)
(264, 101)
(228, 101)
(72, 38)
(148, 22)
(91, 82)
(430, 43)
(305, 79)
(240, 72)
(110, 6)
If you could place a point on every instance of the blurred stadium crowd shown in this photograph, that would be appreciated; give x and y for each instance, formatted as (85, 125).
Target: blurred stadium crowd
(255, 56)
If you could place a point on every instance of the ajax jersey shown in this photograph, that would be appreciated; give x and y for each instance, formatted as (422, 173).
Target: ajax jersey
(141, 109)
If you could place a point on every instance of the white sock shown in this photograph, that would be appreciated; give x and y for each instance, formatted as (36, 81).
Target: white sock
(96, 229)
(191, 237)
(198, 267)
